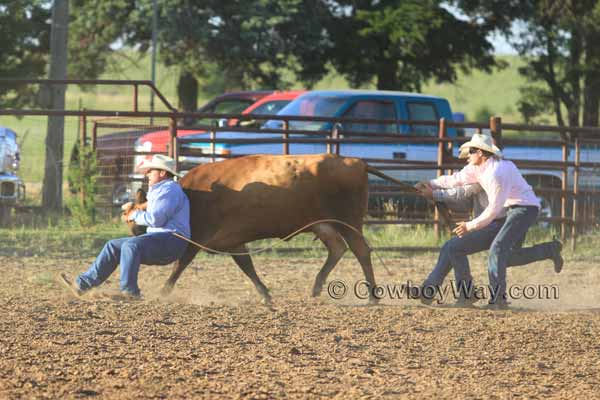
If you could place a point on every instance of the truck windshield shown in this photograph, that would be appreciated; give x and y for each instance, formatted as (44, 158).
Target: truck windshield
(308, 106)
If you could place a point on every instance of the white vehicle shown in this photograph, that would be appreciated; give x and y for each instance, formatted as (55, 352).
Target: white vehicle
(12, 189)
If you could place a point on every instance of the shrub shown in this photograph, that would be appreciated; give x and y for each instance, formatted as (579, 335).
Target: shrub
(82, 179)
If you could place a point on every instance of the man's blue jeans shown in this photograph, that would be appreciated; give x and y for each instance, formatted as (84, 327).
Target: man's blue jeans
(518, 221)
(455, 251)
(129, 252)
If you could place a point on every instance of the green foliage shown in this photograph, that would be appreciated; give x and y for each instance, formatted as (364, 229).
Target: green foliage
(247, 42)
(483, 114)
(560, 45)
(499, 91)
(397, 44)
(402, 44)
(82, 178)
(93, 28)
(24, 45)
(535, 103)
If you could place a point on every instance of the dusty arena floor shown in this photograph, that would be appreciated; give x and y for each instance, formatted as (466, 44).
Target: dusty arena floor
(213, 338)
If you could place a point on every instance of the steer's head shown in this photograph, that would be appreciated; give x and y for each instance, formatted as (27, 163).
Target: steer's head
(140, 203)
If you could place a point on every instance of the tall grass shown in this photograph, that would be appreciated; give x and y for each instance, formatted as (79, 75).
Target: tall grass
(63, 236)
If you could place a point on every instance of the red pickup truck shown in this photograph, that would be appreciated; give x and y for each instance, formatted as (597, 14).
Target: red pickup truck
(114, 150)
(157, 141)
(117, 164)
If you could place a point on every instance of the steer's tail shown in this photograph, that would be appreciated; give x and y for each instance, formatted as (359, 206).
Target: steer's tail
(441, 207)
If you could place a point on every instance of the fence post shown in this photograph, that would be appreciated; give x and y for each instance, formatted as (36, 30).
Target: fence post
(213, 137)
(173, 138)
(496, 129)
(82, 146)
(94, 135)
(135, 99)
(83, 130)
(335, 134)
(175, 146)
(440, 172)
(575, 194)
(286, 136)
(563, 198)
(330, 136)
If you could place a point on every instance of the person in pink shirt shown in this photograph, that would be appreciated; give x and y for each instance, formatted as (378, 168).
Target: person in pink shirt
(508, 192)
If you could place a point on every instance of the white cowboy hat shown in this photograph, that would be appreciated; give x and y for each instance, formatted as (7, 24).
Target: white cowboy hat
(159, 161)
(479, 141)
(463, 152)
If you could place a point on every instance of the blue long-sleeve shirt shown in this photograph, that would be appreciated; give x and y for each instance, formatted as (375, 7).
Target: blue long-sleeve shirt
(168, 209)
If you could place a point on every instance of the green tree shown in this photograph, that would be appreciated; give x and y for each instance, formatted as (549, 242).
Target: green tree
(24, 46)
(559, 41)
(244, 44)
(251, 44)
(94, 28)
(401, 44)
(254, 44)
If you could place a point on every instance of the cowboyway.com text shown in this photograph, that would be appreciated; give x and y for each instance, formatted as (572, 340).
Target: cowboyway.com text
(362, 289)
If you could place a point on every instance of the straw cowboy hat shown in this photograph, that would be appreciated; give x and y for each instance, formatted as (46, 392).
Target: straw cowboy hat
(479, 141)
(159, 161)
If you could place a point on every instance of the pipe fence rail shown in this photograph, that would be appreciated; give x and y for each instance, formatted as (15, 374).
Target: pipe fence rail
(572, 189)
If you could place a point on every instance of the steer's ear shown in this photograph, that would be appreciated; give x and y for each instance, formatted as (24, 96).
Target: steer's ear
(140, 197)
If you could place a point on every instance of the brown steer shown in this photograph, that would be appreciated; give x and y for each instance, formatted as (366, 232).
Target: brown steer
(256, 197)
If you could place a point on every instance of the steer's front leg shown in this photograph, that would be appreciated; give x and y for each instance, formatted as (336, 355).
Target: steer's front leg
(178, 268)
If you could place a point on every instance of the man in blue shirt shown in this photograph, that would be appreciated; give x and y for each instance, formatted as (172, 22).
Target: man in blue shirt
(167, 211)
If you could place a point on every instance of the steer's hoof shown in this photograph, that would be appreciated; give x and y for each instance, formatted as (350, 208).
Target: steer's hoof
(373, 301)
(166, 291)
(267, 302)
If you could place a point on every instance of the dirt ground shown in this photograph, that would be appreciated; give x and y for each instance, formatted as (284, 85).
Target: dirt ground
(212, 338)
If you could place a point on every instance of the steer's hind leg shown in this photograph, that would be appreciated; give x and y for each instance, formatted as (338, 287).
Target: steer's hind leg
(178, 268)
(336, 248)
(361, 250)
(246, 265)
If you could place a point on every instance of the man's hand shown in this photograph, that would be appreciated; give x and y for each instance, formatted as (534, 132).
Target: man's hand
(127, 206)
(422, 184)
(125, 217)
(461, 229)
(425, 190)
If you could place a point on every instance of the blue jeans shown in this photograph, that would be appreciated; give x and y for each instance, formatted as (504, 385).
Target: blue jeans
(150, 249)
(455, 251)
(518, 221)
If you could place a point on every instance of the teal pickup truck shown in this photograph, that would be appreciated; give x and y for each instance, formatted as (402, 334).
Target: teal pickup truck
(356, 104)
(385, 105)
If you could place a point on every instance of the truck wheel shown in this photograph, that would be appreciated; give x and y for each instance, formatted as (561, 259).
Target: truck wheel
(546, 211)
(5, 215)
(550, 204)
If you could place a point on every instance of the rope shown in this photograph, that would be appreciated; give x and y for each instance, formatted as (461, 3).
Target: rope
(281, 240)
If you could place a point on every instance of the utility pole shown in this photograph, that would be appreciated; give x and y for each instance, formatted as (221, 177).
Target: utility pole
(53, 171)
(154, 43)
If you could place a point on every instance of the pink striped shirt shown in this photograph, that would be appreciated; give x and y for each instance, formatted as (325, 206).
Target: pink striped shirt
(502, 182)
